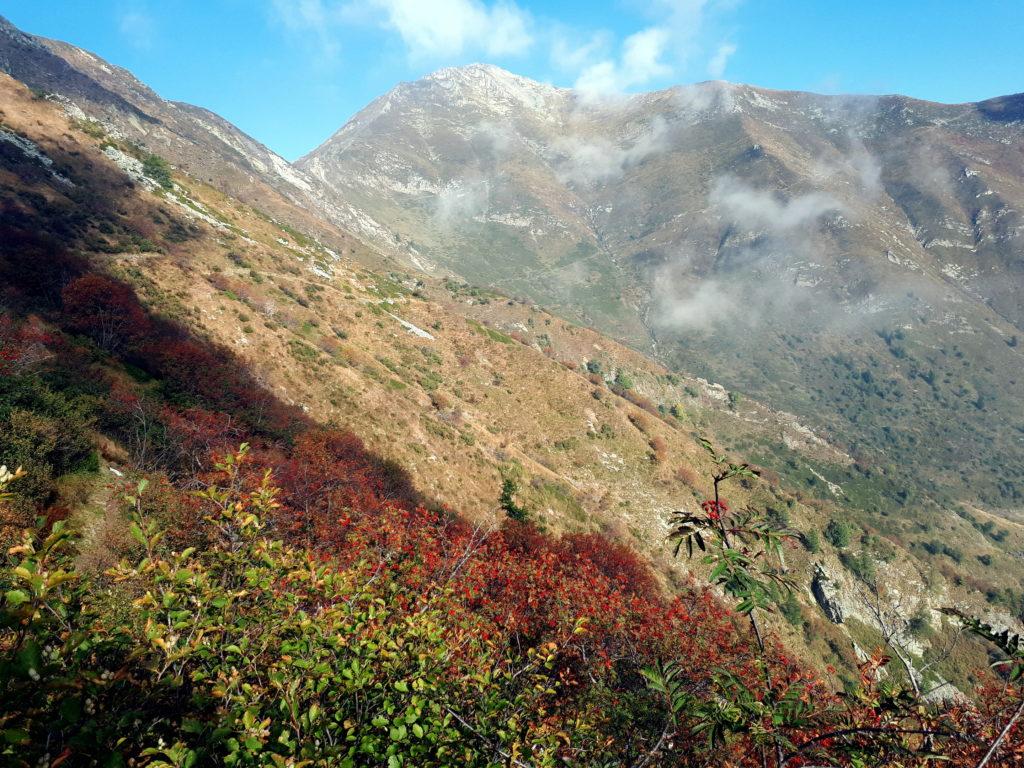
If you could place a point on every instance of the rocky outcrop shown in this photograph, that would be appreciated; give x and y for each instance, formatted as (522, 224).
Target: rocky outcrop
(826, 592)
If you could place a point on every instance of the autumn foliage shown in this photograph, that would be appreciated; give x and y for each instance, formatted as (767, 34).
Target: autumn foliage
(105, 310)
(484, 603)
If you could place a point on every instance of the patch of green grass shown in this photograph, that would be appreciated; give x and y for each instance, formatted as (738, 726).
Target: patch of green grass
(91, 128)
(490, 333)
(156, 168)
(430, 381)
(387, 288)
(302, 352)
(560, 498)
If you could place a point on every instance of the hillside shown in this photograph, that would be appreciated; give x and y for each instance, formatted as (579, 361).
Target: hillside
(853, 260)
(192, 138)
(458, 386)
(153, 317)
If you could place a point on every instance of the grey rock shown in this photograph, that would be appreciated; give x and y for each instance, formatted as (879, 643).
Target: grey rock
(826, 592)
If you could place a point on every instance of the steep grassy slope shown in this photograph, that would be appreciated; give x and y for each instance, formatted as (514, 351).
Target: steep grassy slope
(460, 386)
(192, 138)
(856, 261)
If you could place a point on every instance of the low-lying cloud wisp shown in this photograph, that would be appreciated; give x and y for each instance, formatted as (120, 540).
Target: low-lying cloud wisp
(594, 159)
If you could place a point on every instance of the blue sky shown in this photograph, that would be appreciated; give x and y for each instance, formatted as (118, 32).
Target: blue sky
(290, 72)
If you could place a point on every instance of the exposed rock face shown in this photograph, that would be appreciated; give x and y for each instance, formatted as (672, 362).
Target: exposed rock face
(826, 592)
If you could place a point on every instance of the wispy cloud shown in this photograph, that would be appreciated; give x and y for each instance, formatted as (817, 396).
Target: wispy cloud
(460, 201)
(761, 263)
(716, 67)
(640, 61)
(436, 28)
(431, 30)
(694, 306)
(595, 159)
(572, 50)
(316, 20)
(755, 209)
(678, 33)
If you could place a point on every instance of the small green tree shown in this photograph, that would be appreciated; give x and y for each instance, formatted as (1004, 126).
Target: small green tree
(623, 379)
(838, 534)
(744, 552)
(790, 608)
(507, 500)
(811, 541)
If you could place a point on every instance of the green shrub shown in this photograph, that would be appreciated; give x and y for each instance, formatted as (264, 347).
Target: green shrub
(245, 652)
(507, 500)
(777, 518)
(811, 541)
(860, 564)
(302, 351)
(156, 168)
(839, 534)
(789, 607)
(45, 430)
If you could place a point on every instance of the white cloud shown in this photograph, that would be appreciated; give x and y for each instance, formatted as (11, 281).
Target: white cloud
(461, 200)
(855, 163)
(589, 160)
(703, 97)
(572, 53)
(312, 17)
(641, 61)
(678, 32)
(716, 67)
(697, 306)
(763, 209)
(756, 285)
(495, 139)
(432, 29)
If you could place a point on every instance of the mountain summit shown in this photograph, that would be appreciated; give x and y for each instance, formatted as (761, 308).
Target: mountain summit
(784, 243)
(854, 260)
(392, 516)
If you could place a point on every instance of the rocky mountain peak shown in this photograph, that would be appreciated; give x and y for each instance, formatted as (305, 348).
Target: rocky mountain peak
(15, 39)
(661, 216)
(491, 88)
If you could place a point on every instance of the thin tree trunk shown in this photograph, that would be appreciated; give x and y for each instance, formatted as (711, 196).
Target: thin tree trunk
(1002, 736)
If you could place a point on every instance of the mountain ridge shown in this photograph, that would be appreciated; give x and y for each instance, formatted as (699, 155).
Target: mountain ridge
(657, 217)
(553, 205)
(468, 387)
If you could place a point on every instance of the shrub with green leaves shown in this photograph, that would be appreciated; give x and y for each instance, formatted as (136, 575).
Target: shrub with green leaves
(838, 534)
(623, 380)
(45, 431)
(249, 652)
(156, 168)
